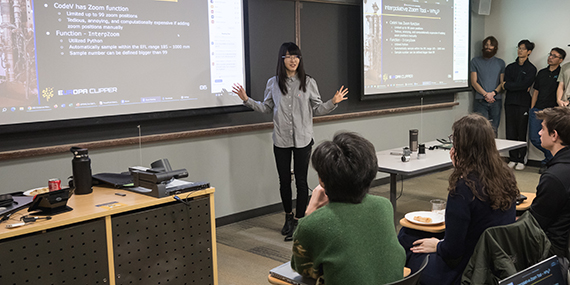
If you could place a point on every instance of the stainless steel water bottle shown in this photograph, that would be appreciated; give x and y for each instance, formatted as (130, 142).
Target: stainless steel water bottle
(414, 140)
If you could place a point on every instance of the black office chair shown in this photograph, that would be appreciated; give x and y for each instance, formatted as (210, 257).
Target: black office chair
(412, 279)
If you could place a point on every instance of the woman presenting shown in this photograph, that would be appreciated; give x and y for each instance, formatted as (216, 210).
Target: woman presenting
(294, 98)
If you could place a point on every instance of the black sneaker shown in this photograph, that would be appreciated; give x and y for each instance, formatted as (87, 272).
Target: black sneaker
(287, 226)
(542, 169)
(289, 236)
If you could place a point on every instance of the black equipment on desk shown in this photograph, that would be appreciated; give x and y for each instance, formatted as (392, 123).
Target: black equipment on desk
(18, 203)
(51, 203)
(161, 181)
(520, 199)
(6, 200)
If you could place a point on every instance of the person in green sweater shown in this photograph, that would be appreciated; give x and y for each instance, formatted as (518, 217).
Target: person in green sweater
(349, 236)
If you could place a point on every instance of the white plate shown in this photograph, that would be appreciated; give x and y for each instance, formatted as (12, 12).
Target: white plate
(435, 218)
(36, 191)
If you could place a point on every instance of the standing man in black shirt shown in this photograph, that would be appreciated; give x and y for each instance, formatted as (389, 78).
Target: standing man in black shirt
(519, 76)
(544, 96)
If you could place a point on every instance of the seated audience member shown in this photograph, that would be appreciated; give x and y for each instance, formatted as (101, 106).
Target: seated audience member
(351, 238)
(551, 207)
(482, 194)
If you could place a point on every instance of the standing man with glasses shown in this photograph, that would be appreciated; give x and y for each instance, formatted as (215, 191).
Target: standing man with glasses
(519, 77)
(487, 74)
(544, 96)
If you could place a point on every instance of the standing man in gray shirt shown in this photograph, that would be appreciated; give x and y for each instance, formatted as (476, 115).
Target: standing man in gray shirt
(487, 75)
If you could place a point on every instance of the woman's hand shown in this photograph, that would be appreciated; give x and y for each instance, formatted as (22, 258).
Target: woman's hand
(318, 199)
(238, 89)
(426, 245)
(340, 95)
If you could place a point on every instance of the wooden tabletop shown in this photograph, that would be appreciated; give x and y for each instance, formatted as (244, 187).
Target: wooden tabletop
(525, 205)
(100, 203)
(275, 281)
(439, 228)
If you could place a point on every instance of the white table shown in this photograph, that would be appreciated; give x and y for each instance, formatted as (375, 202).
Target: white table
(433, 160)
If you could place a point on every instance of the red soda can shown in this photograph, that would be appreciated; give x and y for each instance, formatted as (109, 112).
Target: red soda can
(54, 184)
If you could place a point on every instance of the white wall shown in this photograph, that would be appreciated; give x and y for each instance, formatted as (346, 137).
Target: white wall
(545, 22)
(240, 166)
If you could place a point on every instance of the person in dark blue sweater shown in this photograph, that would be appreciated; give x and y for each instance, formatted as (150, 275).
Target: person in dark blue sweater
(482, 194)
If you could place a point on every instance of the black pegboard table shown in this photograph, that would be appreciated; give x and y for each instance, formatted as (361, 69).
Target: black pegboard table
(139, 240)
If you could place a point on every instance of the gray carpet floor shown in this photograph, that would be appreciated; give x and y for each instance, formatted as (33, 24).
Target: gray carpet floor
(248, 249)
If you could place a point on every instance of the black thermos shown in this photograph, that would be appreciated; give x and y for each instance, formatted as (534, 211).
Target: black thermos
(81, 165)
(414, 140)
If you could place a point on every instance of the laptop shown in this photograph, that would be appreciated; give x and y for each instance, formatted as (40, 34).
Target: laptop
(286, 273)
(545, 272)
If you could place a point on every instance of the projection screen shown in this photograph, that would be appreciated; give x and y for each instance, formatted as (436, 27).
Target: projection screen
(87, 59)
(412, 47)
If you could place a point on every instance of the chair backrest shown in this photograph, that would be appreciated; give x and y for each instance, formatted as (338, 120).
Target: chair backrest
(412, 279)
(504, 250)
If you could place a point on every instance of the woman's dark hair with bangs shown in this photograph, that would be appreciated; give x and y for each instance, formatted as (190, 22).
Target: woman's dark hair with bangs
(478, 162)
(346, 166)
(281, 74)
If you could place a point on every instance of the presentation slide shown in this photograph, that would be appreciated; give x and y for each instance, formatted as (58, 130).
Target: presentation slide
(415, 45)
(84, 59)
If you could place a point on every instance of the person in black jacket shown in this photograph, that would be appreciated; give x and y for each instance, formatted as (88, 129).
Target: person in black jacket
(544, 96)
(519, 77)
(551, 207)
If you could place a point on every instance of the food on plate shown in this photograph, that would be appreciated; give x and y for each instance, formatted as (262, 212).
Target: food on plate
(422, 219)
(37, 191)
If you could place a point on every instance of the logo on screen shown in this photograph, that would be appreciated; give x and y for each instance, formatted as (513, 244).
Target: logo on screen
(47, 93)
